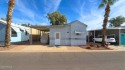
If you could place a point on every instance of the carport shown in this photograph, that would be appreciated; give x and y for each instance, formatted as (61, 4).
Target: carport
(119, 32)
(41, 31)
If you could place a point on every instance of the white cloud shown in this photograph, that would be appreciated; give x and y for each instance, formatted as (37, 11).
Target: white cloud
(21, 6)
(118, 9)
(51, 5)
(20, 21)
(94, 19)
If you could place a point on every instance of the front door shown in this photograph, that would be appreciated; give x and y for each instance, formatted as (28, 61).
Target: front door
(57, 38)
(123, 39)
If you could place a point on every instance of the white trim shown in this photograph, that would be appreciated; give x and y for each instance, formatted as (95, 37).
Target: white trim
(94, 36)
(78, 32)
(16, 29)
(119, 36)
(59, 37)
(88, 36)
(57, 32)
(30, 37)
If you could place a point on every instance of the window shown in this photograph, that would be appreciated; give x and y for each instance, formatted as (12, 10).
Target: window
(21, 30)
(26, 33)
(57, 35)
(14, 33)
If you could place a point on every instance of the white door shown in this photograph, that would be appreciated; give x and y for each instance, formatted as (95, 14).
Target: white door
(57, 38)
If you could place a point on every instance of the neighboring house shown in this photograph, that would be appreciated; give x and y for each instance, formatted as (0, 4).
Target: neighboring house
(72, 34)
(18, 33)
(117, 32)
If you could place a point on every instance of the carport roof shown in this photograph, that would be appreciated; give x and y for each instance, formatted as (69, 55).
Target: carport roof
(42, 28)
(121, 27)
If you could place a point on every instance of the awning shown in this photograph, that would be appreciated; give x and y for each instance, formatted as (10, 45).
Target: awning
(16, 29)
(28, 30)
(78, 32)
(22, 28)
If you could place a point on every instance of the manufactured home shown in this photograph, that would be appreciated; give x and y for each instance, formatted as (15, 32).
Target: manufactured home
(18, 33)
(72, 34)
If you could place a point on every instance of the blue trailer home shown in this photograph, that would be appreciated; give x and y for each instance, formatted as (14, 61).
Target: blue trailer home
(18, 33)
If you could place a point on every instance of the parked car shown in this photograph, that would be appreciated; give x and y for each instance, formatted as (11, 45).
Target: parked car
(108, 38)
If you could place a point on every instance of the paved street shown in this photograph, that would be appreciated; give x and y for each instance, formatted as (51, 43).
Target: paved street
(62, 61)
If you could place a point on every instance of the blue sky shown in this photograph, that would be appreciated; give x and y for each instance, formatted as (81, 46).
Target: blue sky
(35, 11)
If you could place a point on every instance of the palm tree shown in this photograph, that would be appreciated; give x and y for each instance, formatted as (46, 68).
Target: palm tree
(117, 21)
(106, 4)
(9, 17)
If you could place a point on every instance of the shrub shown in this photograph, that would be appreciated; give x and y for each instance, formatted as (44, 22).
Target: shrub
(88, 47)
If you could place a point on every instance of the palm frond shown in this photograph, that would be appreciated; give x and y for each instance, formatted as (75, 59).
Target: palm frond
(104, 1)
(112, 1)
(101, 5)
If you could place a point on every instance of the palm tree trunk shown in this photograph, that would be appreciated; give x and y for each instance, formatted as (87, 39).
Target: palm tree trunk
(107, 11)
(9, 17)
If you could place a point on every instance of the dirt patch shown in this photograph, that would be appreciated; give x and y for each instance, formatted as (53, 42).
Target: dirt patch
(3, 48)
(74, 47)
(95, 46)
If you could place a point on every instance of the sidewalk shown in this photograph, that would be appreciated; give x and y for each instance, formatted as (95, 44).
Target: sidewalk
(120, 48)
(46, 48)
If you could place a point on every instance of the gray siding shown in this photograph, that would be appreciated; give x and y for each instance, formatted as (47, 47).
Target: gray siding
(78, 39)
(63, 33)
(2, 33)
(68, 36)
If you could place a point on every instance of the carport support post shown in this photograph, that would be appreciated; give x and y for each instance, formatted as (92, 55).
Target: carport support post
(30, 36)
(88, 36)
(94, 36)
(119, 36)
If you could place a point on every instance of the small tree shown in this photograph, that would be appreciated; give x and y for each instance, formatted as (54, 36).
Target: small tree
(115, 22)
(56, 18)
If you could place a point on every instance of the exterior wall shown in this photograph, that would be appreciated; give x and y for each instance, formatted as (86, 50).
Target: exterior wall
(44, 38)
(20, 35)
(77, 40)
(122, 40)
(16, 39)
(2, 33)
(68, 36)
(122, 30)
(63, 34)
(23, 36)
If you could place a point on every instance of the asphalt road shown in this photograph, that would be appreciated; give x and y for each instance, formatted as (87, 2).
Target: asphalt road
(63, 61)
